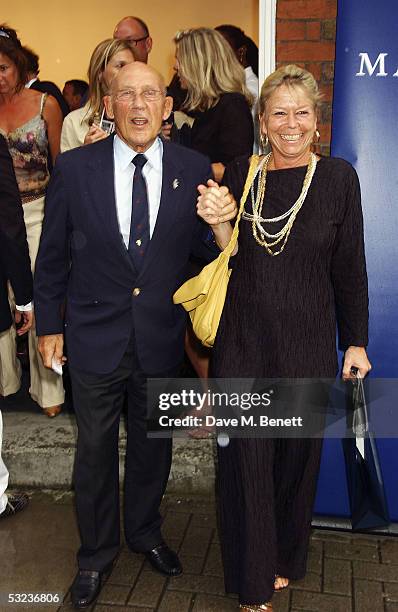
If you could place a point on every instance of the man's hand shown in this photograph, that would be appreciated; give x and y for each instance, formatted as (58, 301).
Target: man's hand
(27, 321)
(52, 346)
(355, 357)
(215, 204)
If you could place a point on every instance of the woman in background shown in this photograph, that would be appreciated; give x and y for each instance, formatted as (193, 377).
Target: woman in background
(31, 124)
(217, 97)
(82, 126)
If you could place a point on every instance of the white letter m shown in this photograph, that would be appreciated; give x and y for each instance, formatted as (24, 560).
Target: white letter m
(366, 63)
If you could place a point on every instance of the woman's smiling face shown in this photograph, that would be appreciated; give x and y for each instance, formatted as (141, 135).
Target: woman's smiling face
(289, 121)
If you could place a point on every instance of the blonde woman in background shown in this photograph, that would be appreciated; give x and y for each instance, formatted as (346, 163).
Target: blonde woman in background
(217, 97)
(31, 124)
(81, 126)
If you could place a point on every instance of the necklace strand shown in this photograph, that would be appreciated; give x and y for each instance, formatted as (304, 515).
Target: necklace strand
(259, 233)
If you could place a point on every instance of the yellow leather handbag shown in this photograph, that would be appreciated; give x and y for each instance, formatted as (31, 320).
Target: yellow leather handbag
(203, 296)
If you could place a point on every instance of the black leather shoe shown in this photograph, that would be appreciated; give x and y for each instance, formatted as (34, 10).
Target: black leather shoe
(164, 560)
(85, 588)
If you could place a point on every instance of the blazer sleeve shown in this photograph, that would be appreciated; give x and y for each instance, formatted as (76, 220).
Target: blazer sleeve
(53, 260)
(204, 247)
(348, 269)
(14, 251)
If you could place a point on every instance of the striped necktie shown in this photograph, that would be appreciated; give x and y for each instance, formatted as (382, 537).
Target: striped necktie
(139, 227)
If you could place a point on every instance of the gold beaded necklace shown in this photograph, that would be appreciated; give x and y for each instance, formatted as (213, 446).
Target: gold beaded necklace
(259, 233)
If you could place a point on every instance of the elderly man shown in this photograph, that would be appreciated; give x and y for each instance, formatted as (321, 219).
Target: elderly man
(136, 33)
(120, 225)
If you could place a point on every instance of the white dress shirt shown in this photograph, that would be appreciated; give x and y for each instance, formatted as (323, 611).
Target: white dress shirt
(124, 173)
(251, 81)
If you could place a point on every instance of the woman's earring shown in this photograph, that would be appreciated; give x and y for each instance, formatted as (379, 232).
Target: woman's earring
(263, 141)
(317, 134)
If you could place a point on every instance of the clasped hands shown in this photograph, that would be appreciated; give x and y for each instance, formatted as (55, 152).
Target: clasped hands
(216, 204)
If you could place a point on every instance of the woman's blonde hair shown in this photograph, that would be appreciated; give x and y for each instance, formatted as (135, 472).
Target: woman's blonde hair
(290, 75)
(102, 53)
(209, 68)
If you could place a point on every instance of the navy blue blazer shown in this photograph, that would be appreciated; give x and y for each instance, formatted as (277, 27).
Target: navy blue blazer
(83, 261)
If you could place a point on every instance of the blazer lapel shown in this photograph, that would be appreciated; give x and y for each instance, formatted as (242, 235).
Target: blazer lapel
(170, 201)
(103, 185)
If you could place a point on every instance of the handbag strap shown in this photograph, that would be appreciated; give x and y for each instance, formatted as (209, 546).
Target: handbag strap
(249, 180)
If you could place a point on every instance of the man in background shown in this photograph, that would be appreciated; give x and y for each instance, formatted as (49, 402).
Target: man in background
(44, 86)
(75, 93)
(14, 267)
(136, 33)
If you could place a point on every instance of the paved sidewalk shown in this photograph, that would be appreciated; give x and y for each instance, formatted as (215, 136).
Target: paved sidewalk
(346, 573)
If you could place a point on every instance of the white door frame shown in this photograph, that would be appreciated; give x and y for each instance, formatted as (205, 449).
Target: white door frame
(267, 38)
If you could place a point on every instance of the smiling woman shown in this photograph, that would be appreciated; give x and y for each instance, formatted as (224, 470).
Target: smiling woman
(299, 270)
(288, 107)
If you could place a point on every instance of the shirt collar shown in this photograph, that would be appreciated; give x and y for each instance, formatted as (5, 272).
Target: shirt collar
(124, 154)
(29, 83)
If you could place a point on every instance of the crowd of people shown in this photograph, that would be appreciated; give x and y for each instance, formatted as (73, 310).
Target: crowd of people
(110, 227)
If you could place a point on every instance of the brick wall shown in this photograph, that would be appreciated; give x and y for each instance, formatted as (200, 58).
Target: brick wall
(305, 35)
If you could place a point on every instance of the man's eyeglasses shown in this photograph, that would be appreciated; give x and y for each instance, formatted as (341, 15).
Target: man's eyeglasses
(129, 95)
(134, 41)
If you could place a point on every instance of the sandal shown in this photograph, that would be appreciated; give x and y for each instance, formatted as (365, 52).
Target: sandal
(282, 587)
(52, 411)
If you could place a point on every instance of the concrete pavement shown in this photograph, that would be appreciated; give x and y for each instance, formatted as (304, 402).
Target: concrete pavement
(346, 573)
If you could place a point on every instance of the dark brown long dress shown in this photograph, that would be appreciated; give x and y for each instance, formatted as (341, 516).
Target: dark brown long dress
(280, 320)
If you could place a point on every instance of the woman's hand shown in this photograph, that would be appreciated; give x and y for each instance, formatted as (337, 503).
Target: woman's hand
(215, 204)
(355, 357)
(94, 134)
